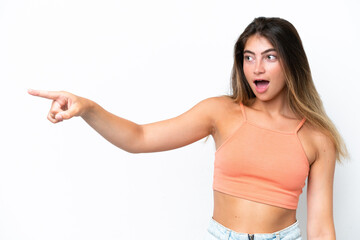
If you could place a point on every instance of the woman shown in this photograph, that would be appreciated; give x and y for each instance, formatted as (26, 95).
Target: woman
(271, 134)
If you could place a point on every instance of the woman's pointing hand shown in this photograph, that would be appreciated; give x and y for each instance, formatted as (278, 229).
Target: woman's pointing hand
(64, 106)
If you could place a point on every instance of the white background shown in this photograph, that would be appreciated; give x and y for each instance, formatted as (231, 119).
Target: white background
(145, 61)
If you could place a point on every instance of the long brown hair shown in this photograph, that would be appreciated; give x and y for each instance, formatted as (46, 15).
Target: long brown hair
(302, 97)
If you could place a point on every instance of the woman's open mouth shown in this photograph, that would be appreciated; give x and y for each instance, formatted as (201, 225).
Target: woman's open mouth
(261, 85)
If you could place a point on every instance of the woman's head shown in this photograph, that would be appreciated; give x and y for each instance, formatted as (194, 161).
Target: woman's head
(286, 41)
(263, 69)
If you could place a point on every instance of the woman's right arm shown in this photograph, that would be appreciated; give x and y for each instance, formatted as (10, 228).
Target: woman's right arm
(193, 125)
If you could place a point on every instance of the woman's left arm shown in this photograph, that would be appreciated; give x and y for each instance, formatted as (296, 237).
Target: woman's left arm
(320, 222)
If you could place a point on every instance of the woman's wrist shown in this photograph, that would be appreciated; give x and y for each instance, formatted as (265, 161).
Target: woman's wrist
(89, 108)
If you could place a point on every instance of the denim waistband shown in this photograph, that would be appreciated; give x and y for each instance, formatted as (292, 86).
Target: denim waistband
(216, 228)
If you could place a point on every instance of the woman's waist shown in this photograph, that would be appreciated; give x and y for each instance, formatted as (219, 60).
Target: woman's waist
(246, 216)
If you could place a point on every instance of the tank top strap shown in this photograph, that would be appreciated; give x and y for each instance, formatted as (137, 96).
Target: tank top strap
(243, 111)
(300, 124)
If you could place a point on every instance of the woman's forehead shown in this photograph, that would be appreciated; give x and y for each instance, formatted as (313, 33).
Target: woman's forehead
(258, 44)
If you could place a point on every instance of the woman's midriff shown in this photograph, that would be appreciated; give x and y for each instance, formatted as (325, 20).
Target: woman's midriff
(244, 216)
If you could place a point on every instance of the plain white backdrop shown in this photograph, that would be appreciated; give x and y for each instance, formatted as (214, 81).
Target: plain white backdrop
(145, 61)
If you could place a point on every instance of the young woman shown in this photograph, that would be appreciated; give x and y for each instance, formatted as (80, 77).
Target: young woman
(271, 134)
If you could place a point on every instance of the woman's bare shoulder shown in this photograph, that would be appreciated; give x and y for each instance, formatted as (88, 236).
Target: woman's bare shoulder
(219, 101)
(319, 140)
(219, 105)
(224, 112)
(316, 134)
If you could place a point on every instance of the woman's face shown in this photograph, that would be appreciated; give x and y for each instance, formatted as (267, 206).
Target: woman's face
(262, 68)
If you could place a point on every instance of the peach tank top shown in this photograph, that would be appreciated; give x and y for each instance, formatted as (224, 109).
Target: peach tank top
(262, 165)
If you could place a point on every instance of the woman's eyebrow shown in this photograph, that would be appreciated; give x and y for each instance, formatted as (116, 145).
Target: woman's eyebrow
(266, 51)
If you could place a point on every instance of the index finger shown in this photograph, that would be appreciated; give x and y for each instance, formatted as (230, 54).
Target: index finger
(45, 94)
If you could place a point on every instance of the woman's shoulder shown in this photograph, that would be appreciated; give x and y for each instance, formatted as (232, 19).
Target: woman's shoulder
(220, 101)
(222, 110)
(316, 138)
(220, 105)
(315, 133)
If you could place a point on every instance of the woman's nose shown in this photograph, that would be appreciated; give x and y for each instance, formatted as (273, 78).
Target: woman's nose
(259, 67)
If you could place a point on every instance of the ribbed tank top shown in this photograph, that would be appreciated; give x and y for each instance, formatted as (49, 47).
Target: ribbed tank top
(262, 165)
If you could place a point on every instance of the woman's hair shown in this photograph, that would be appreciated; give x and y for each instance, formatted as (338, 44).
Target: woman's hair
(301, 94)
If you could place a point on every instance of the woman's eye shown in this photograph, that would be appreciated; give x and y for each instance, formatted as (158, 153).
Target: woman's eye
(271, 57)
(248, 58)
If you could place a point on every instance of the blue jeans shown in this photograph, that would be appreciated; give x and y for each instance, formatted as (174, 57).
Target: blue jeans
(216, 231)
